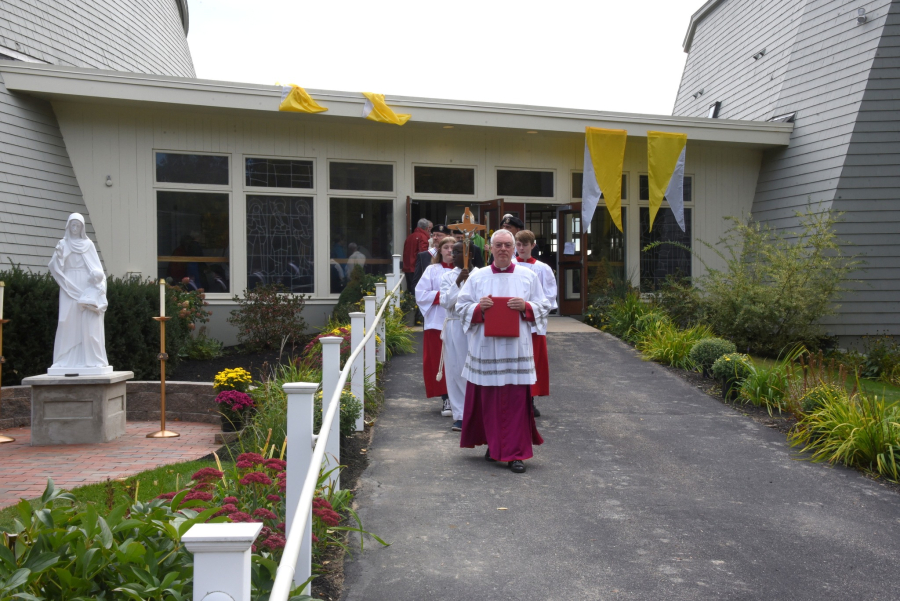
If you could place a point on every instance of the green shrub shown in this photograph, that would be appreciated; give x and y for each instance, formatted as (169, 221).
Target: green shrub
(269, 317)
(705, 353)
(398, 338)
(733, 366)
(359, 285)
(624, 313)
(651, 321)
(861, 432)
(202, 347)
(882, 357)
(268, 423)
(351, 409)
(668, 345)
(132, 336)
(680, 300)
(821, 395)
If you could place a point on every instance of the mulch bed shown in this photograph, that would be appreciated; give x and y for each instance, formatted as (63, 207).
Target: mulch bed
(258, 363)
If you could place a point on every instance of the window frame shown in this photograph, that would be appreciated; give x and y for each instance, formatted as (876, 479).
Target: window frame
(174, 186)
(281, 191)
(442, 196)
(362, 193)
(542, 199)
(626, 188)
(328, 294)
(646, 203)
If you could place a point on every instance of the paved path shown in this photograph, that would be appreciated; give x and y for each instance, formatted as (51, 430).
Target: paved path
(644, 489)
(24, 469)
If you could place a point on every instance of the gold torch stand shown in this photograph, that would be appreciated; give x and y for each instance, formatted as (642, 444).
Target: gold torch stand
(163, 357)
(3, 439)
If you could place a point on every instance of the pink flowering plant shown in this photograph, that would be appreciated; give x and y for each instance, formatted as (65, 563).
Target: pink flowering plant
(234, 401)
(312, 352)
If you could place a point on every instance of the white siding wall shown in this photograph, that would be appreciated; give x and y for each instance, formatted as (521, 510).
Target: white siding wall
(38, 188)
(120, 142)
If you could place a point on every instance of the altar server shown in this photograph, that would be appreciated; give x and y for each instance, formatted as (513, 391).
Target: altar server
(500, 370)
(524, 247)
(456, 345)
(428, 295)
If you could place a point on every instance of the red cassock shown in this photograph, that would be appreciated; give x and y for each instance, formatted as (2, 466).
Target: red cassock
(541, 366)
(431, 358)
(502, 417)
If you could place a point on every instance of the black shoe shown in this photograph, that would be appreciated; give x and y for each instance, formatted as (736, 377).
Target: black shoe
(517, 466)
(487, 455)
(537, 412)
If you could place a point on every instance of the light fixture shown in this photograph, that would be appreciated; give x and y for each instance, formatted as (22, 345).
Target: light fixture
(109, 181)
(698, 94)
(531, 132)
(861, 16)
(448, 127)
(759, 54)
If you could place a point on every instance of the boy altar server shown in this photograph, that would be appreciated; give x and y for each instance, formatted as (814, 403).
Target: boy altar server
(524, 247)
(500, 371)
(428, 295)
(456, 345)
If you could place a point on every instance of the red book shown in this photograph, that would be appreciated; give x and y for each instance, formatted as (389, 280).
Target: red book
(500, 320)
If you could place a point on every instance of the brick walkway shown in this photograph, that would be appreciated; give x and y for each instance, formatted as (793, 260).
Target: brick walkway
(24, 469)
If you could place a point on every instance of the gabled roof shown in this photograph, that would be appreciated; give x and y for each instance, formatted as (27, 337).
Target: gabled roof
(95, 86)
(696, 18)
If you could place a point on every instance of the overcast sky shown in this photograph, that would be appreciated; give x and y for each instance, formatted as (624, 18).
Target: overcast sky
(601, 55)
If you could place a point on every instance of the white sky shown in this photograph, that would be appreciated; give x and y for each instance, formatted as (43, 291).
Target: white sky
(601, 55)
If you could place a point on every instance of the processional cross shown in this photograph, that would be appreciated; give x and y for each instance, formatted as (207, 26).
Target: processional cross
(468, 227)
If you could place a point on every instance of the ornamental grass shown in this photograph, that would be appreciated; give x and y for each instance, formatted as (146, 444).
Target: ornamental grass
(666, 344)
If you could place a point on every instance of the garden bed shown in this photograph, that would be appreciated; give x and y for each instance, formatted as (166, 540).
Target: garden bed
(258, 363)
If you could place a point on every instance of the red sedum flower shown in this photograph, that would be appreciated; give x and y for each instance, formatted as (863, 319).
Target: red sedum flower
(256, 478)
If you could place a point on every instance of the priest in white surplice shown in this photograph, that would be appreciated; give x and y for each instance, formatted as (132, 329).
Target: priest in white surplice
(500, 371)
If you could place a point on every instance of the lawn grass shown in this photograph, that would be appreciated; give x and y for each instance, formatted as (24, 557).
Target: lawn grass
(889, 392)
(105, 495)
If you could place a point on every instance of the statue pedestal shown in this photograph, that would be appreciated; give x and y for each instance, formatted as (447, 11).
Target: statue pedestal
(80, 371)
(77, 410)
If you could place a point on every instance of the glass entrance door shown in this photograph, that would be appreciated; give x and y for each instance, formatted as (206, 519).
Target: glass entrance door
(570, 256)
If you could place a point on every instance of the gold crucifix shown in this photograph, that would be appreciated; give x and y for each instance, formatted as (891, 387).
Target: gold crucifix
(468, 227)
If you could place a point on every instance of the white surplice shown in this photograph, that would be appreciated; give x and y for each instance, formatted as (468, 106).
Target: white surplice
(426, 290)
(456, 344)
(495, 361)
(548, 283)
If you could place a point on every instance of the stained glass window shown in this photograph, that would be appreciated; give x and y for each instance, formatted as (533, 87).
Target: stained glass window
(280, 242)
(666, 259)
(279, 173)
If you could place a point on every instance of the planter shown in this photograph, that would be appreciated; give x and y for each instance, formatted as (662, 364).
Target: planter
(730, 388)
(232, 422)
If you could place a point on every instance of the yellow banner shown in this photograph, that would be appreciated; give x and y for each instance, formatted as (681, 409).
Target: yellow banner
(376, 110)
(665, 154)
(607, 150)
(296, 100)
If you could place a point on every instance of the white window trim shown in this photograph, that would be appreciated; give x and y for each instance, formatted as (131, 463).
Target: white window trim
(544, 199)
(193, 187)
(437, 195)
(282, 191)
(361, 193)
(688, 204)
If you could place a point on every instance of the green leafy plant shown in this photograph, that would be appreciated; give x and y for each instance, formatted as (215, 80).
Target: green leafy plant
(351, 408)
(732, 366)
(882, 358)
(861, 431)
(622, 314)
(359, 284)
(769, 386)
(705, 353)
(398, 337)
(680, 300)
(201, 347)
(668, 345)
(269, 317)
(268, 423)
(821, 395)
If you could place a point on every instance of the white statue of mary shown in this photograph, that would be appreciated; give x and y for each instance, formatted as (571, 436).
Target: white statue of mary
(80, 346)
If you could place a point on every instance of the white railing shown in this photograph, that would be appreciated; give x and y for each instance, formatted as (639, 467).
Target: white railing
(304, 462)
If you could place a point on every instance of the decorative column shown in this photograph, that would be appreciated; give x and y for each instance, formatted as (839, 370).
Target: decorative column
(357, 375)
(331, 373)
(221, 560)
(300, 401)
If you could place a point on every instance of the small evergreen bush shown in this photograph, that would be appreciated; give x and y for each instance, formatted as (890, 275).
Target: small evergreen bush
(359, 285)
(351, 408)
(733, 366)
(705, 353)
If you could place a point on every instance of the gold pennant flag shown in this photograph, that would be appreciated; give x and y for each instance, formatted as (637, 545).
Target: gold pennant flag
(604, 158)
(295, 99)
(376, 110)
(665, 172)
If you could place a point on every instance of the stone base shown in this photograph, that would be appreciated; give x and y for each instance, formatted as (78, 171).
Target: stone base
(77, 410)
(80, 371)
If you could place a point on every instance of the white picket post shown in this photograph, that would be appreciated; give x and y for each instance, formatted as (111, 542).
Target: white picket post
(381, 349)
(370, 344)
(300, 402)
(221, 560)
(357, 383)
(331, 372)
(398, 273)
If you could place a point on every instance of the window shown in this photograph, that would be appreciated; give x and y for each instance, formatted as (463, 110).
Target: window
(644, 188)
(279, 173)
(666, 259)
(361, 237)
(192, 239)
(538, 184)
(280, 242)
(605, 251)
(191, 169)
(444, 180)
(578, 181)
(372, 177)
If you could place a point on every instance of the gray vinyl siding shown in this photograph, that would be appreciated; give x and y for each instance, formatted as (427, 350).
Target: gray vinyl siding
(869, 195)
(38, 187)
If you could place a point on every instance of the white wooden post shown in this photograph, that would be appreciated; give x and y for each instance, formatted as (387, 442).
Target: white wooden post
(331, 372)
(221, 560)
(398, 273)
(370, 345)
(381, 349)
(357, 382)
(300, 401)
